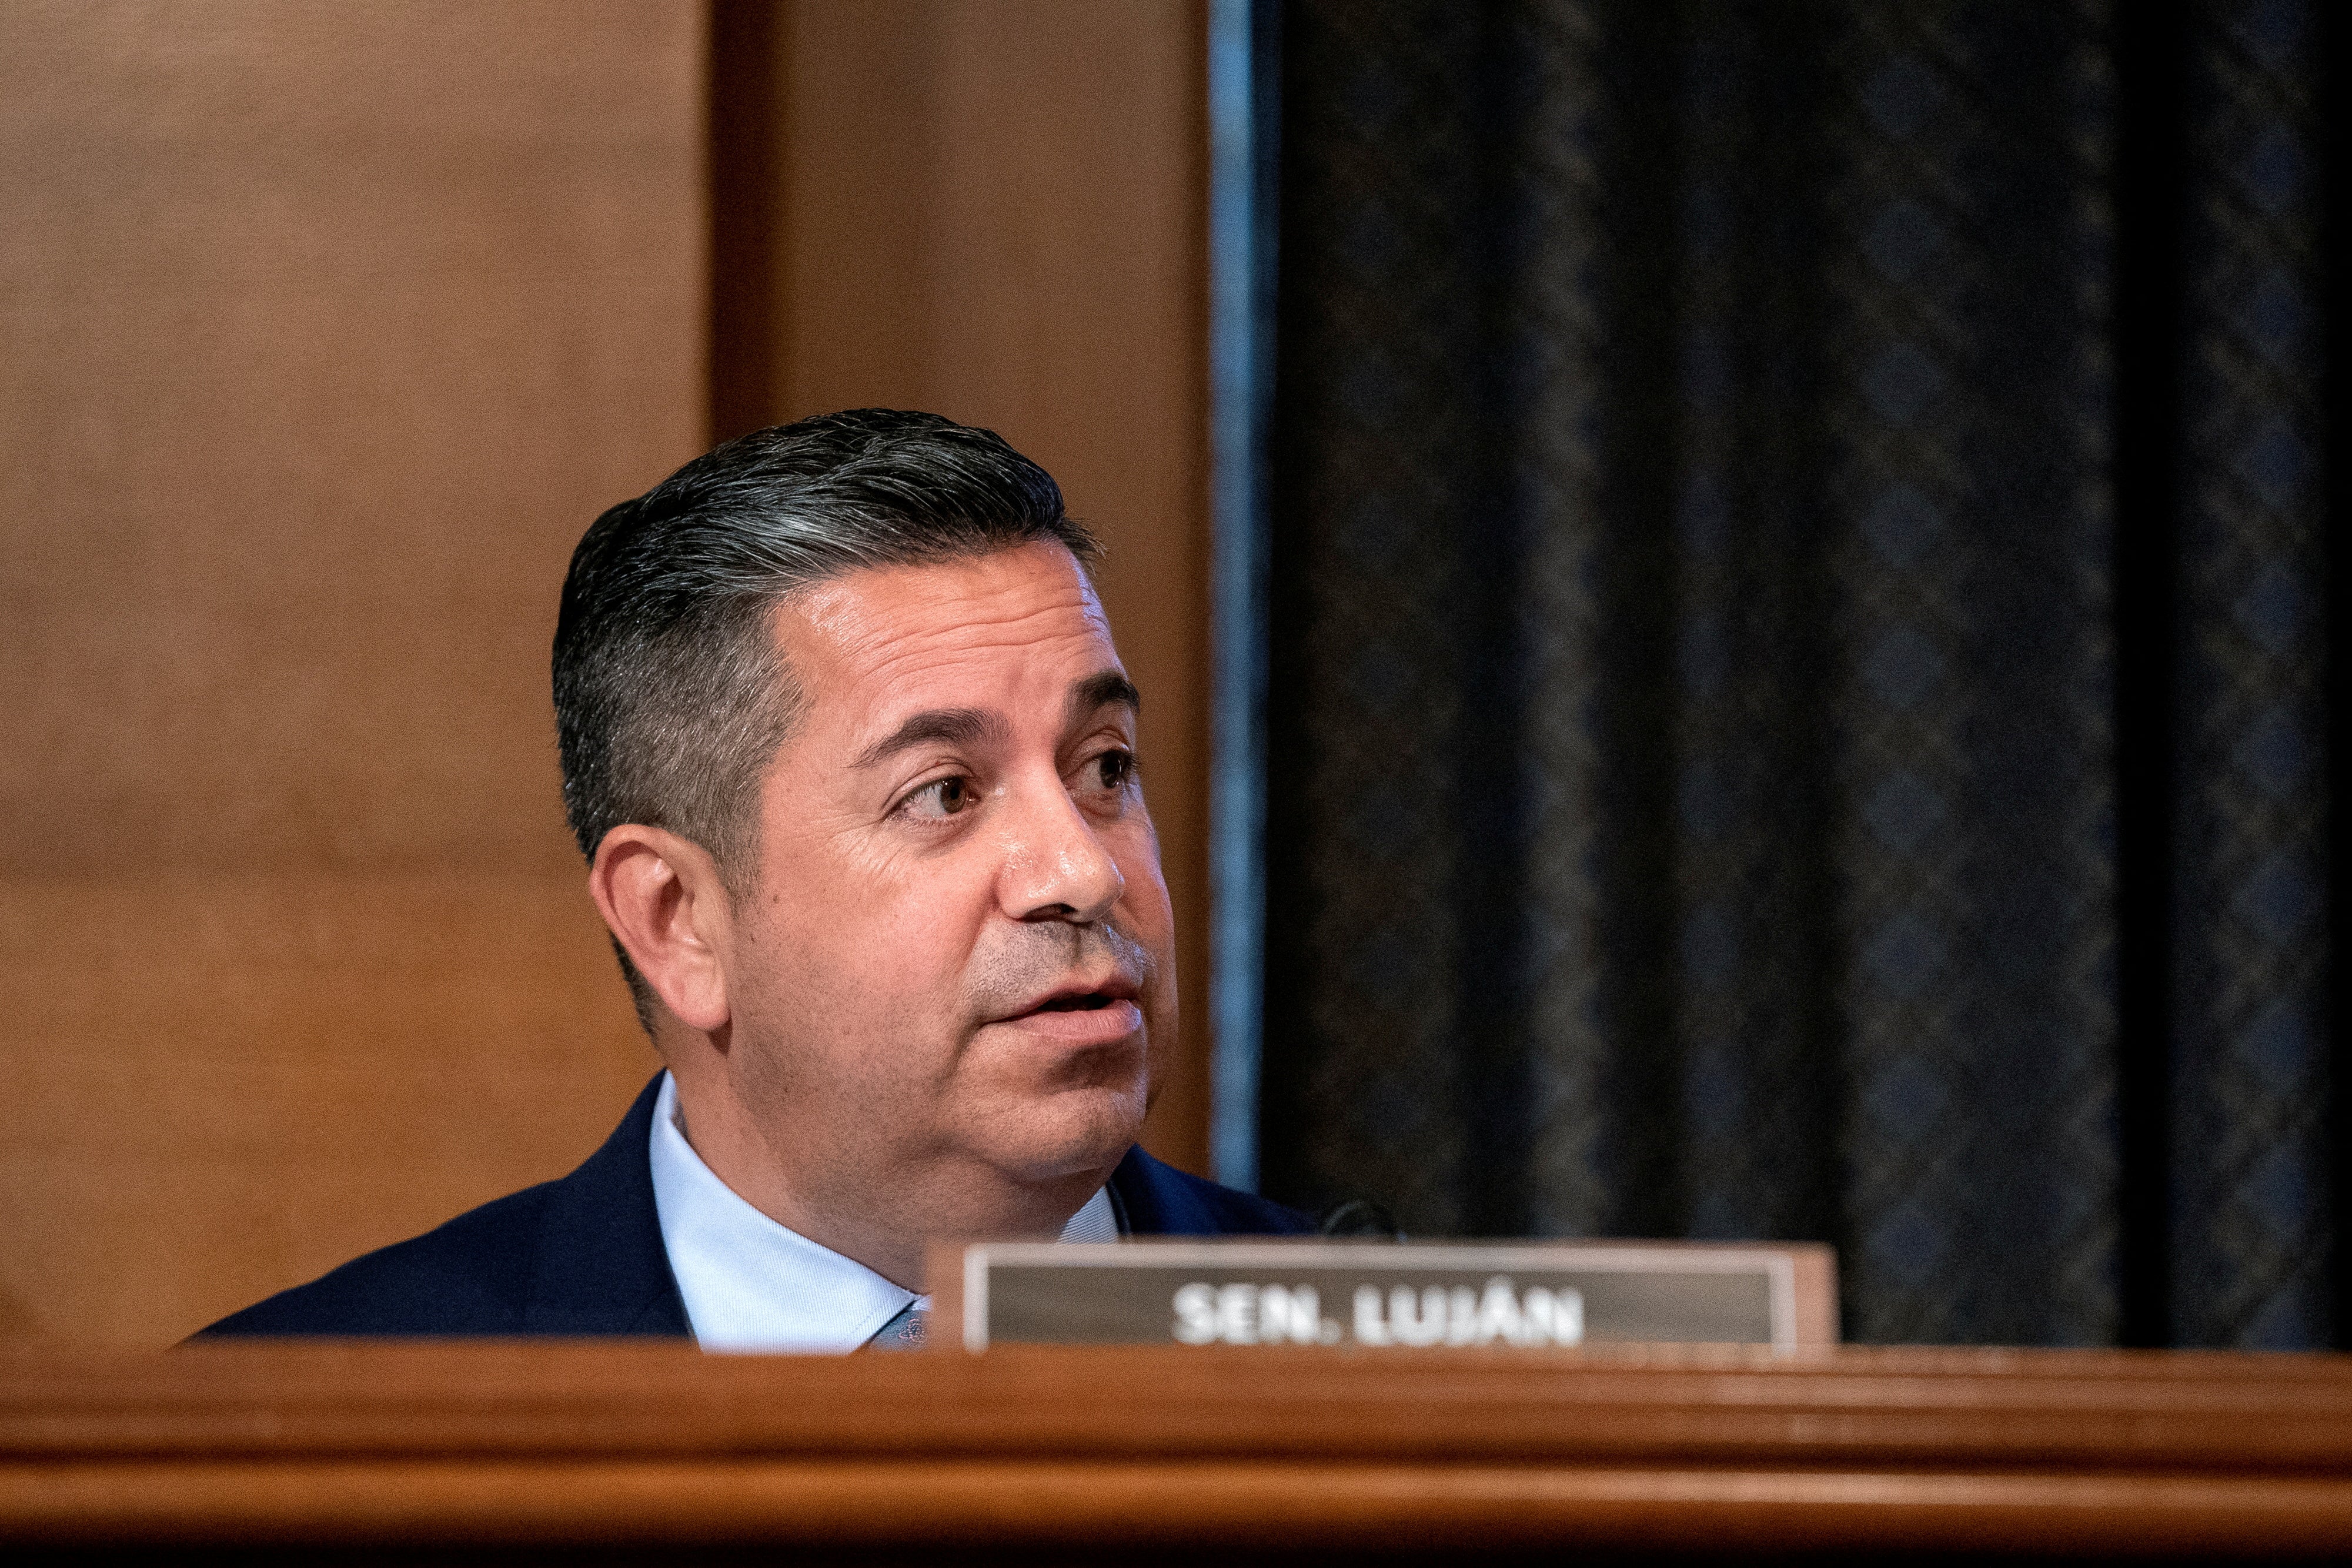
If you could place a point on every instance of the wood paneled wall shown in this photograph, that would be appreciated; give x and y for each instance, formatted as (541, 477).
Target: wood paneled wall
(996, 210)
(324, 330)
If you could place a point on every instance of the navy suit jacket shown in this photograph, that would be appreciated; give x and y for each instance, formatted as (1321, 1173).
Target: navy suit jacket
(584, 1255)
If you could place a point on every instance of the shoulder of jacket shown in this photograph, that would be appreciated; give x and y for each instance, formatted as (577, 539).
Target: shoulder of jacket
(469, 1275)
(1182, 1204)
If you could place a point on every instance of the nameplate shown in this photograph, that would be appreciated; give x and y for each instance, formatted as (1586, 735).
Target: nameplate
(1372, 1295)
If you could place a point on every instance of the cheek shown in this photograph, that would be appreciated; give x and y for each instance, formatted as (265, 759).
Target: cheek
(1153, 920)
(1136, 853)
(877, 951)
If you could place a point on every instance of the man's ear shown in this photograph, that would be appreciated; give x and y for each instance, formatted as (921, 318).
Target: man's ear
(664, 903)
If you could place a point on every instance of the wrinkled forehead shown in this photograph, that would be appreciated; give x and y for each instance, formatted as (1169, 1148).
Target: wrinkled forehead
(1013, 627)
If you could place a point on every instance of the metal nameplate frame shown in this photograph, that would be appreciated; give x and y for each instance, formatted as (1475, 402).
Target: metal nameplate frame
(1369, 1294)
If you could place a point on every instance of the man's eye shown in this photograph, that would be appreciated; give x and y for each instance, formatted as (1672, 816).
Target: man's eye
(1114, 768)
(947, 797)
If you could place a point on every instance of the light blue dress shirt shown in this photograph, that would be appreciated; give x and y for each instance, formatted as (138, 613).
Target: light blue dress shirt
(753, 1284)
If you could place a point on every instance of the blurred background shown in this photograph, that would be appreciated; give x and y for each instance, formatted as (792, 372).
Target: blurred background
(1735, 600)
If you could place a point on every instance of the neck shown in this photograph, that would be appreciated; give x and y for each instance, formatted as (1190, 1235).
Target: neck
(886, 1214)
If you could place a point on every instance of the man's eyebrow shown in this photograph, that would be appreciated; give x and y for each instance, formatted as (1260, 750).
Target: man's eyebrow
(936, 727)
(1108, 688)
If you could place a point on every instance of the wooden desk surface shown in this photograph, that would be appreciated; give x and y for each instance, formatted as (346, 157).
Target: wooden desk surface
(635, 1443)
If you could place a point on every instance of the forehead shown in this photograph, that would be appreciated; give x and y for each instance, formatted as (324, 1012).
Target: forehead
(967, 630)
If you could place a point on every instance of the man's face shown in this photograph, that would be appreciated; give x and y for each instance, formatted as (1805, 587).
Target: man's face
(958, 952)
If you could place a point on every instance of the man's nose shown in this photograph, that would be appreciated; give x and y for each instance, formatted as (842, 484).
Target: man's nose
(1056, 866)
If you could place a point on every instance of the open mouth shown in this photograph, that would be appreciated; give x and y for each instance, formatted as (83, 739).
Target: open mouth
(1108, 1012)
(1082, 1019)
(1093, 1001)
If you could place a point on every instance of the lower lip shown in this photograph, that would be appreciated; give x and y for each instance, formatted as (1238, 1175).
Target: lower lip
(1080, 1026)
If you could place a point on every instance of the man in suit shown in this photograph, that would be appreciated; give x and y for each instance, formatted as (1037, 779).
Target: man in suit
(852, 757)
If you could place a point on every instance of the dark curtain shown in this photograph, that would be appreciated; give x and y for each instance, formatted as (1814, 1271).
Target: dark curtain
(1799, 692)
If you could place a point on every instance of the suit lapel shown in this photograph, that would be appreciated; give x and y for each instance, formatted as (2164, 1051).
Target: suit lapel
(602, 1269)
(1153, 1205)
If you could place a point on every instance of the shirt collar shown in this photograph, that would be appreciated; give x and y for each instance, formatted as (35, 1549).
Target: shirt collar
(752, 1284)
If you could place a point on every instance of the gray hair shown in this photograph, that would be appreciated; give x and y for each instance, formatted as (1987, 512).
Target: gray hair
(670, 696)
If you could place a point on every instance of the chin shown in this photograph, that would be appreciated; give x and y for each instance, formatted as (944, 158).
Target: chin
(1077, 1131)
